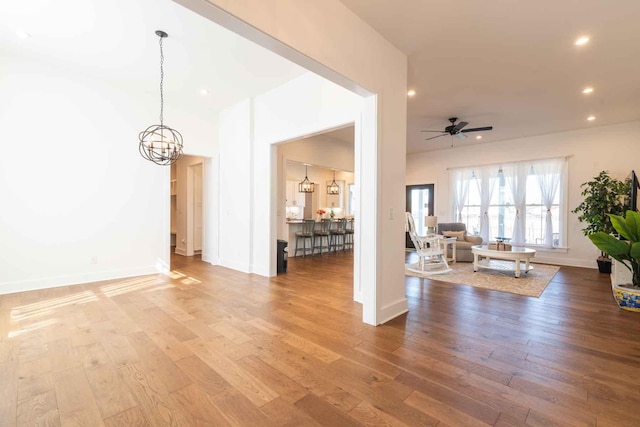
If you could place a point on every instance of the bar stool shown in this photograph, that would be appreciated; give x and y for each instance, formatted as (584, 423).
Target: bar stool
(337, 232)
(321, 233)
(348, 234)
(306, 233)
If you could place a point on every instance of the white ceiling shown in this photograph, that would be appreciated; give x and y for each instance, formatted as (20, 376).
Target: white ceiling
(512, 64)
(344, 134)
(116, 40)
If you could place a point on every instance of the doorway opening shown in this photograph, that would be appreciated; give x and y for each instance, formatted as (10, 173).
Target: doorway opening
(325, 157)
(420, 204)
(188, 206)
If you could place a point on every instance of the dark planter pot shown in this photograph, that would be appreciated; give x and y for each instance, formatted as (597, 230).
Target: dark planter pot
(604, 266)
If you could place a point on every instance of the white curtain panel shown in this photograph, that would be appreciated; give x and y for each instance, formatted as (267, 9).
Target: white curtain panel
(488, 182)
(548, 174)
(460, 179)
(515, 175)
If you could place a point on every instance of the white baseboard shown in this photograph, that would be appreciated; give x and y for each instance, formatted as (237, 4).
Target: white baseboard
(357, 296)
(234, 265)
(73, 279)
(391, 311)
(567, 262)
(181, 251)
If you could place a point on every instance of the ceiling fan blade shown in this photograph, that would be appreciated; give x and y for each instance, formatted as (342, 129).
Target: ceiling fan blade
(459, 126)
(436, 136)
(439, 131)
(477, 129)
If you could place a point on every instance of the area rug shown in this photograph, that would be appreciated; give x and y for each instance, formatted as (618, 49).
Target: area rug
(531, 284)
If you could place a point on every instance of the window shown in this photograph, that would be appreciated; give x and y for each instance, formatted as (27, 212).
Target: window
(522, 202)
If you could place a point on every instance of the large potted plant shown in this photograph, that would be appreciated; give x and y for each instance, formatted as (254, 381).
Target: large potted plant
(626, 252)
(602, 195)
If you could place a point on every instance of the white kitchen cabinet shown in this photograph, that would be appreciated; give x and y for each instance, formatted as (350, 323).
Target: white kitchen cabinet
(292, 196)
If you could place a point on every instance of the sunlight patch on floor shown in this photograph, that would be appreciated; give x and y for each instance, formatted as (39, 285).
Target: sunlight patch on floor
(131, 285)
(183, 278)
(42, 308)
(32, 327)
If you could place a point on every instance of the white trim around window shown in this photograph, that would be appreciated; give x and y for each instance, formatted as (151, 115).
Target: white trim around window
(521, 201)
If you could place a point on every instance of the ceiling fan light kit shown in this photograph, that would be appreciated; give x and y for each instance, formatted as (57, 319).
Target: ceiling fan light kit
(457, 129)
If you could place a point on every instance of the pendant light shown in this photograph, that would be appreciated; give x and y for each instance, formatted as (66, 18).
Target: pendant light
(159, 143)
(333, 188)
(306, 186)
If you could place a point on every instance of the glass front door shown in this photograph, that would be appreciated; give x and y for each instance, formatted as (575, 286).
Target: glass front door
(420, 204)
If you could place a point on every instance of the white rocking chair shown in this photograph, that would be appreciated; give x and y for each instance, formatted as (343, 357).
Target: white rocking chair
(431, 254)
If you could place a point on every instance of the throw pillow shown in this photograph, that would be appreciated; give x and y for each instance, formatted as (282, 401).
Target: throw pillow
(457, 234)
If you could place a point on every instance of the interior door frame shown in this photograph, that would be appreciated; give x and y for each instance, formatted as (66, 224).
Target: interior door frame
(410, 188)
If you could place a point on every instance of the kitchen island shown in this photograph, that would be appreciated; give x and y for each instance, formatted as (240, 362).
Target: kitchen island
(291, 227)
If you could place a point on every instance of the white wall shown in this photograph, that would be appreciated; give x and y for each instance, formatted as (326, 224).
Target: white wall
(79, 202)
(235, 142)
(330, 40)
(248, 133)
(305, 105)
(211, 213)
(612, 148)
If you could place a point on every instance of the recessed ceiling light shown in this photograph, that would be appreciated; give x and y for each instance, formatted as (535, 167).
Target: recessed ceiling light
(591, 118)
(587, 90)
(411, 92)
(23, 34)
(582, 41)
(479, 137)
(204, 92)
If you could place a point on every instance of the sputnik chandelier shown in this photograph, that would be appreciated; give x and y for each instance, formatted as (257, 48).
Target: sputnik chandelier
(159, 143)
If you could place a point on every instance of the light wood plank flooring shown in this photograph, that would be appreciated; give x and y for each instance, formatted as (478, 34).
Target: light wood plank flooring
(208, 346)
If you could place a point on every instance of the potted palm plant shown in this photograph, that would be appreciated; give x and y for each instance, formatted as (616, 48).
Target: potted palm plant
(602, 195)
(626, 252)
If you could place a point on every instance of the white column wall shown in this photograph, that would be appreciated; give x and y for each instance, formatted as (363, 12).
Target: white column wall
(235, 216)
(611, 148)
(211, 213)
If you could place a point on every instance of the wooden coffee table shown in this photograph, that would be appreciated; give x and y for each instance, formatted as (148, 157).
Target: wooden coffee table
(508, 260)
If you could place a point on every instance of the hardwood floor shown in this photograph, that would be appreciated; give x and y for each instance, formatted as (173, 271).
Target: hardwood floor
(208, 346)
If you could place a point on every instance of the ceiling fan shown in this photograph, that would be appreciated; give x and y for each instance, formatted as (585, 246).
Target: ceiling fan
(456, 129)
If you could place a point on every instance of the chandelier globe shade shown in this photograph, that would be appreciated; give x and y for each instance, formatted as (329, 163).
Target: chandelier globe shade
(159, 143)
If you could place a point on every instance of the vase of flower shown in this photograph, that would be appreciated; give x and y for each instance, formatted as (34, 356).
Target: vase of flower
(319, 214)
(331, 214)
